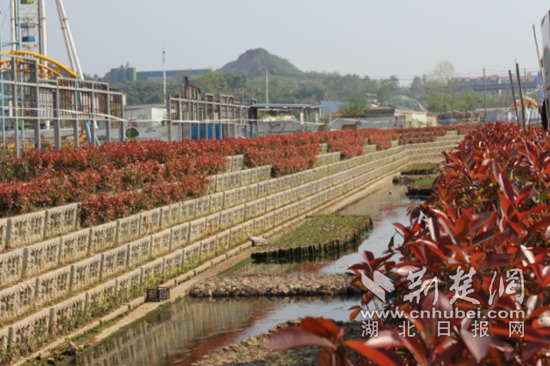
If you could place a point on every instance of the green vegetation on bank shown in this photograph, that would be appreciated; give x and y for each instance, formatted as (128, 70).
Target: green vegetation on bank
(422, 166)
(424, 183)
(320, 229)
(421, 169)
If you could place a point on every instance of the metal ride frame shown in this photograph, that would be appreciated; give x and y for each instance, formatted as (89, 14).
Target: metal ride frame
(190, 111)
(30, 98)
(35, 93)
(36, 90)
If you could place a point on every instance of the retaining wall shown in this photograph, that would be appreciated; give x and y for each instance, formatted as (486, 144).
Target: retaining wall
(60, 283)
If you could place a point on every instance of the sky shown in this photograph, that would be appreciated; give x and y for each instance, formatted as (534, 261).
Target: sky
(378, 38)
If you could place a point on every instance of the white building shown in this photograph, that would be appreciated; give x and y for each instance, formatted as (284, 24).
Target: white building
(149, 115)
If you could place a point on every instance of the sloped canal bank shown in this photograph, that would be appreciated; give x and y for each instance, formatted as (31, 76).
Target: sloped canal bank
(188, 329)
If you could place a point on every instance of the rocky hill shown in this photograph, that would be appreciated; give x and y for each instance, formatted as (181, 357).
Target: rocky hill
(254, 62)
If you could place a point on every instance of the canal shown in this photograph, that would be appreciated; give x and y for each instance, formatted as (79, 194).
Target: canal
(184, 331)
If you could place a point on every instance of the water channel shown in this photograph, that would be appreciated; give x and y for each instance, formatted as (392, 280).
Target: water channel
(186, 330)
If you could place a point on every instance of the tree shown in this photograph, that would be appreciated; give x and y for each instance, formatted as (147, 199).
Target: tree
(384, 93)
(440, 87)
(212, 82)
(417, 88)
(393, 83)
(443, 72)
(370, 86)
(145, 92)
(353, 108)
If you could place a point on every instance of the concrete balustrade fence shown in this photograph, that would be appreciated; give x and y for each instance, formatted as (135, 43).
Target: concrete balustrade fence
(60, 283)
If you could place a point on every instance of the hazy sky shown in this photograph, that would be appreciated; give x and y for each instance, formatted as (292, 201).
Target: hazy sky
(378, 38)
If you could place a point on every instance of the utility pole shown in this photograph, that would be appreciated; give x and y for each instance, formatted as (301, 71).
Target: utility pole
(266, 87)
(524, 81)
(514, 95)
(164, 75)
(485, 91)
(521, 96)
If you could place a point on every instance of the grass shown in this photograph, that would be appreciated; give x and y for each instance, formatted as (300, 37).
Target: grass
(424, 183)
(422, 166)
(319, 229)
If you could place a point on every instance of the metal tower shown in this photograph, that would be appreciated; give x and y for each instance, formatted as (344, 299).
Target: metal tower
(29, 15)
(28, 27)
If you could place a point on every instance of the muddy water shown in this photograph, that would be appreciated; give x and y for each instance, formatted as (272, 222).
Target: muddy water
(186, 330)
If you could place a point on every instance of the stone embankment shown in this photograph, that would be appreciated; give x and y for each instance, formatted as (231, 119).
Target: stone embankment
(269, 285)
(55, 277)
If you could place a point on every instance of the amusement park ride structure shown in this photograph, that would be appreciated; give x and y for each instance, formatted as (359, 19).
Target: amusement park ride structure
(37, 90)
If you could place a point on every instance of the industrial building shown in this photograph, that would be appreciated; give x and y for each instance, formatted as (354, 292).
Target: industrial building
(126, 73)
(495, 85)
(171, 75)
(122, 74)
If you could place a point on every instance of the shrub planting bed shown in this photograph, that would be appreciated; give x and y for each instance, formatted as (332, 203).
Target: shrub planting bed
(481, 243)
(118, 179)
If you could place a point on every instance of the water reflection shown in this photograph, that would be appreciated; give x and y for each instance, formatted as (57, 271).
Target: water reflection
(191, 328)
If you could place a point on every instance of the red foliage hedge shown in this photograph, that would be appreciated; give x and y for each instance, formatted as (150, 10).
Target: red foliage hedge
(117, 179)
(489, 215)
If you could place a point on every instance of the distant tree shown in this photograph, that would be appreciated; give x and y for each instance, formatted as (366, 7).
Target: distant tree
(212, 82)
(384, 92)
(393, 83)
(353, 108)
(417, 88)
(145, 92)
(235, 81)
(443, 72)
(440, 87)
(370, 86)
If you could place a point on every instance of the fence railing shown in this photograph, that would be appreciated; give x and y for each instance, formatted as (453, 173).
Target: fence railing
(64, 112)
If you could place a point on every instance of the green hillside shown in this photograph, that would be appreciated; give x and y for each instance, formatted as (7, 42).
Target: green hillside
(255, 61)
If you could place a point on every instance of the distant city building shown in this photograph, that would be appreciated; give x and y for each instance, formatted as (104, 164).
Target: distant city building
(496, 85)
(127, 73)
(122, 74)
(171, 75)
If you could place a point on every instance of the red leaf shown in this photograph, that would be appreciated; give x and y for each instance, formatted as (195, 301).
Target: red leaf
(376, 356)
(320, 326)
(507, 187)
(478, 346)
(354, 314)
(295, 337)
